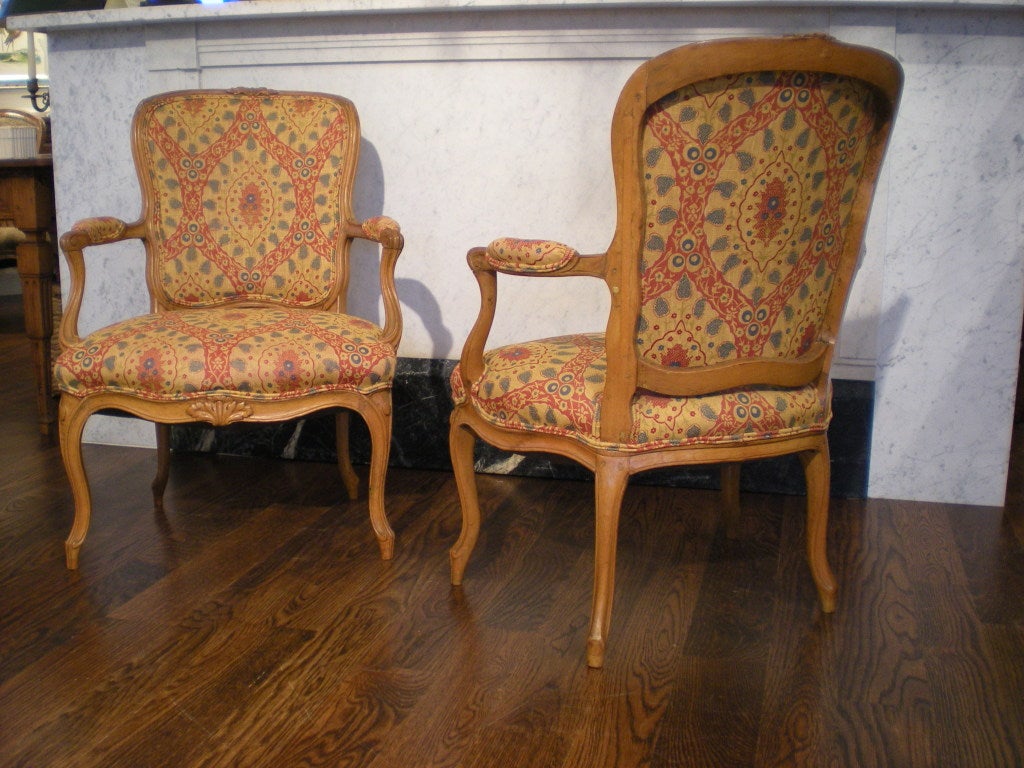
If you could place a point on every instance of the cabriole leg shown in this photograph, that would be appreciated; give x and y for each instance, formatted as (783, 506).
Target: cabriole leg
(378, 420)
(611, 478)
(731, 497)
(72, 418)
(163, 465)
(460, 444)
(817, 472)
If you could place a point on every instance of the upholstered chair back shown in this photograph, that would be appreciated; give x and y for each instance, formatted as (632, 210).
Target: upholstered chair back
(749, 182)
(244, 196)
(744, 173)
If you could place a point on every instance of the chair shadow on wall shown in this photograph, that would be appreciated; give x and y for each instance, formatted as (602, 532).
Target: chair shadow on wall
(885, 326)
(419, 436)
(414, 295)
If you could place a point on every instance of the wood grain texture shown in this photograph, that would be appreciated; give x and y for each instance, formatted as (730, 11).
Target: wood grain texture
(253, 623)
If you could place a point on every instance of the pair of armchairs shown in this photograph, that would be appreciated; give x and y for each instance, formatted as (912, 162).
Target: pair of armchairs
(744, 172)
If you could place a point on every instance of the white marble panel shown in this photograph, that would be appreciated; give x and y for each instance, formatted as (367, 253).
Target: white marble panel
(510, 34)
(955, 268)
(91, 147)
(479, 123)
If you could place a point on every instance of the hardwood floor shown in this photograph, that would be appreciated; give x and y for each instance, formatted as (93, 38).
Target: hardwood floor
(253, 623)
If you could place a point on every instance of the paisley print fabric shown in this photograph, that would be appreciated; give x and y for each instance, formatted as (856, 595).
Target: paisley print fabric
(258, 354)
(740, 247)
(246, 194)
(529, 256)
(556, 385)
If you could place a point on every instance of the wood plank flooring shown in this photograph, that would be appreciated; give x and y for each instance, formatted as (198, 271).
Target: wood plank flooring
(253, 624)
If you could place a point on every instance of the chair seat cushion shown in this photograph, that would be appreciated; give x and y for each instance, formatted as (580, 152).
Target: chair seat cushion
(555, 386)
(254, 353)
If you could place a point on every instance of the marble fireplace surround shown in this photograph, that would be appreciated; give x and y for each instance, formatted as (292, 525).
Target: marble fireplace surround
(491, 118)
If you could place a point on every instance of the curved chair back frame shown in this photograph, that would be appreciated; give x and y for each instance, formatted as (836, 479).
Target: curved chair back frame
(744, 173)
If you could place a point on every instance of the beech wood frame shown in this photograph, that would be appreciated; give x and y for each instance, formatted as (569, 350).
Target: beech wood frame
(626, 373)
(219, 409)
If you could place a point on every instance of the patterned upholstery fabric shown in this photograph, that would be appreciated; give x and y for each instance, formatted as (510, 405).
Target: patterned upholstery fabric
(245, 194)
(258, 354)
(529, 256)
(555, 386)
(740, 247)
(102, 229)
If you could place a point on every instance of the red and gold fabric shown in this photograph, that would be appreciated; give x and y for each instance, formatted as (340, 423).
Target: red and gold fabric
(245, 192)
(555, 385)
(526, 257)
(739, 246)
(256, 354)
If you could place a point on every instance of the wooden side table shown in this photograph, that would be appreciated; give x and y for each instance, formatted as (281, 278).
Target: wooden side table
(26, 199)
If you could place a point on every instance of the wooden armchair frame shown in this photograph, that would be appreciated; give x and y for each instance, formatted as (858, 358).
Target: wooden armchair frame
(626, 373)
(221, 408)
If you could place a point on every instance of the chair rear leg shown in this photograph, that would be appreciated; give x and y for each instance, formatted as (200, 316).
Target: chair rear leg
(163, 465)
(71, 423)
(378, 421)
(731, 497)
(460, 444)
(611, 478)
(348, 475)
(818, 474)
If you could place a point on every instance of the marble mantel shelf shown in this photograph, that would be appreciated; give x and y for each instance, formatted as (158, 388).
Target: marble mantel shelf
(265, 9)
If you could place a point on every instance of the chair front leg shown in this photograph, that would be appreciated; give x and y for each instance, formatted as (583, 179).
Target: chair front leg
(460, 444)
(72, 418)
(611, 478)
(163, 465)
(730, 477)
(377, 415)
(818, 475)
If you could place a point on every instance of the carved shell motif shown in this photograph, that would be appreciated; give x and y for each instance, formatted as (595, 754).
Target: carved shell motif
(220, 411)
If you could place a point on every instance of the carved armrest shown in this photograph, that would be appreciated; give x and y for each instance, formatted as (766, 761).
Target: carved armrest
(516, 256)
(382, 229)
(385, 230)
(98, 230)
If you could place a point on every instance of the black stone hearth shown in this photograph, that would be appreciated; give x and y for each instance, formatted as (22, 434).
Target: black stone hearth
(422, 402)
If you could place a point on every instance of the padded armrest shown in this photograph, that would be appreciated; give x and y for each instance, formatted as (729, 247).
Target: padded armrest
(98, 230)
(529, 257)
(92, 231)
(382, 229)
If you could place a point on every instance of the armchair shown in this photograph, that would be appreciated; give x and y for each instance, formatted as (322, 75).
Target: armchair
(247, 225)
(17, 119)
(744, 172)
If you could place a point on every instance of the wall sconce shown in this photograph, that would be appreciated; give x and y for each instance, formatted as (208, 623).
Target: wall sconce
(40, 101)
(40, 95)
